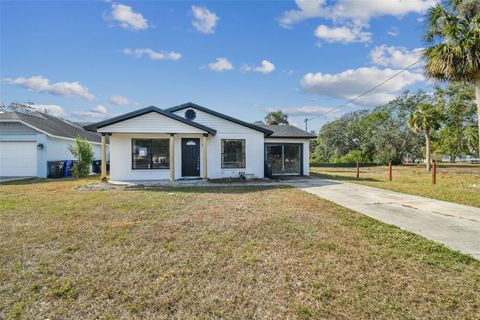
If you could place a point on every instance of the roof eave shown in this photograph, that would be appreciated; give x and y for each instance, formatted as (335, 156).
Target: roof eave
(95, 126)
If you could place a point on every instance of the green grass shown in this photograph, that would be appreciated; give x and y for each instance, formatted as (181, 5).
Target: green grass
(217, 253)
(455, 183)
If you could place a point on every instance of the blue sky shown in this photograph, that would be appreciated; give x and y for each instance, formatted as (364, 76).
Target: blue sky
(91, 60)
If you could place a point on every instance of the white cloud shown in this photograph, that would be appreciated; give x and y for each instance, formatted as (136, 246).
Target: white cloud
(63, 89)
(393, 32)
(343, 34)
(127, 18)
(359, 12)
(221, 64)
(51, 109)
(96, 113)
(396, 57)
(119, 100)
(204, 20)
(99, 109)
(152, 54)
(264, 67)
(352, 82)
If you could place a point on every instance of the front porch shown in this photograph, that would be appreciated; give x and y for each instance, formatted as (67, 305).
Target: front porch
(156, 156)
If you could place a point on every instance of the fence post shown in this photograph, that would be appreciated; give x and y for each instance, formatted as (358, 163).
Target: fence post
(358, 169)
(390, 170)
(434, 172)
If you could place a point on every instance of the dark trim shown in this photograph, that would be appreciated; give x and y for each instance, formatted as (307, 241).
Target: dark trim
(245, 154)
(95, 126)
(290, 143)
(131, 154)
(291, 137)
(205, 134)
(220, 115)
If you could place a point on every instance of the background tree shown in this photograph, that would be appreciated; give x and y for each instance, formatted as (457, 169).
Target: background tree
(424, 120)
(276, 118)
(380, 135)
(457, 102)
(453, 33)
(83, 152)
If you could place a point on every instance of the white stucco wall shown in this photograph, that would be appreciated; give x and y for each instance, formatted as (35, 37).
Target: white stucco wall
(57, 149)
(254, 155)
(121, 156)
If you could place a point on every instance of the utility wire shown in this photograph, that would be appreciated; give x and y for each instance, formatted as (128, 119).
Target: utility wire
(363, 93)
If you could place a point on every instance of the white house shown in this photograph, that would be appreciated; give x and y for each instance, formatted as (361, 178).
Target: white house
(29, 140)
(191, 141)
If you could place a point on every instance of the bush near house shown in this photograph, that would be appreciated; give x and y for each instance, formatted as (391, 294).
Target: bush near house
(84, 154)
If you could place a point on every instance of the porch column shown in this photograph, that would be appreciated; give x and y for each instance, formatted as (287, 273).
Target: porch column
(172, 158)
(205, 175)
(104, 158)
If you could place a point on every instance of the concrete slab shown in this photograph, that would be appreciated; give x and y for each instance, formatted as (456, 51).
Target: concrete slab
(455, 225)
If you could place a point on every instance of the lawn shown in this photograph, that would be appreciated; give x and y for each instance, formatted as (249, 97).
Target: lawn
(212, 253)
(455, 183)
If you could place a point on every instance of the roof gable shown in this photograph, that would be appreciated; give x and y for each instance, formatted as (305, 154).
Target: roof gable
(218, 114)
(137, 113)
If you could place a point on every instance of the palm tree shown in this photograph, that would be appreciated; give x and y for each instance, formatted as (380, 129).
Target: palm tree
(276, 118)
(453, 33)
(425, 119)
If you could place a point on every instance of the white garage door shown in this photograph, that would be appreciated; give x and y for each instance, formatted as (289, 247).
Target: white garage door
(18, 159)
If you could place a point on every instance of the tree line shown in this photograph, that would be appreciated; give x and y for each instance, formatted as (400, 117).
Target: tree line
(407, 128)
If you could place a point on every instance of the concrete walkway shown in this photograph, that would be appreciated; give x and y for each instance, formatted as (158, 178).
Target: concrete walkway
(457, 226)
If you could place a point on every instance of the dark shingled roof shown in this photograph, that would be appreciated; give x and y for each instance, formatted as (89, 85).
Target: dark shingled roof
(51, 125)
(287, 131)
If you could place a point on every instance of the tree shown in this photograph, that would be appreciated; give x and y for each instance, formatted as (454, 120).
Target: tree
(457, 101)
(276, 118)
(425, 119)
(83, 152)
(453, 33)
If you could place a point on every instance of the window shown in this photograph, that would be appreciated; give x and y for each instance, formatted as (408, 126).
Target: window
(150, 154)
(190, 114)
(233, 153)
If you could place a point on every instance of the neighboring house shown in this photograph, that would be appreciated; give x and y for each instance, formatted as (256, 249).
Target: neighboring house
(29, 140)
(191, 141)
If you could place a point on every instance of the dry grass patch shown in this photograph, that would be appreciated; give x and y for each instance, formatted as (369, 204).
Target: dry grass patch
(212, 253)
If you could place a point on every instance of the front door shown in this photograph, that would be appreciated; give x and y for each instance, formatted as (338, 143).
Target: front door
(190, 157)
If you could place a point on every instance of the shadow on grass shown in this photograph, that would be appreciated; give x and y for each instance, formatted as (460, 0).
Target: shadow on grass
(342, 178)
(214, 189)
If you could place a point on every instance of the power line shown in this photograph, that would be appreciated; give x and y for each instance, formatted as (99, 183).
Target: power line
(363, 93)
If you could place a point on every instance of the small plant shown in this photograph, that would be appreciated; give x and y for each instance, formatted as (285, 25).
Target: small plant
(83, 152)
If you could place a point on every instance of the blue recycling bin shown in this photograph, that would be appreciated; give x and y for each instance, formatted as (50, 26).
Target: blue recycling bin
(67, 168)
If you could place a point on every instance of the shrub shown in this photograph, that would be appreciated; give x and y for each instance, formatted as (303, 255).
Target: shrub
(83, 152)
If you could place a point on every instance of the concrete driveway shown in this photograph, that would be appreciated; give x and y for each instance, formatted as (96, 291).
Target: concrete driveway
(457, 226)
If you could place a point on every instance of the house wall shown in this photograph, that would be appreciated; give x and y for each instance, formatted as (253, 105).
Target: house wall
(121, 156)
(229, 130)
(306, 150)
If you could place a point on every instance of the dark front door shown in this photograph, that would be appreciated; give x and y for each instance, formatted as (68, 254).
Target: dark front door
(190, 157)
